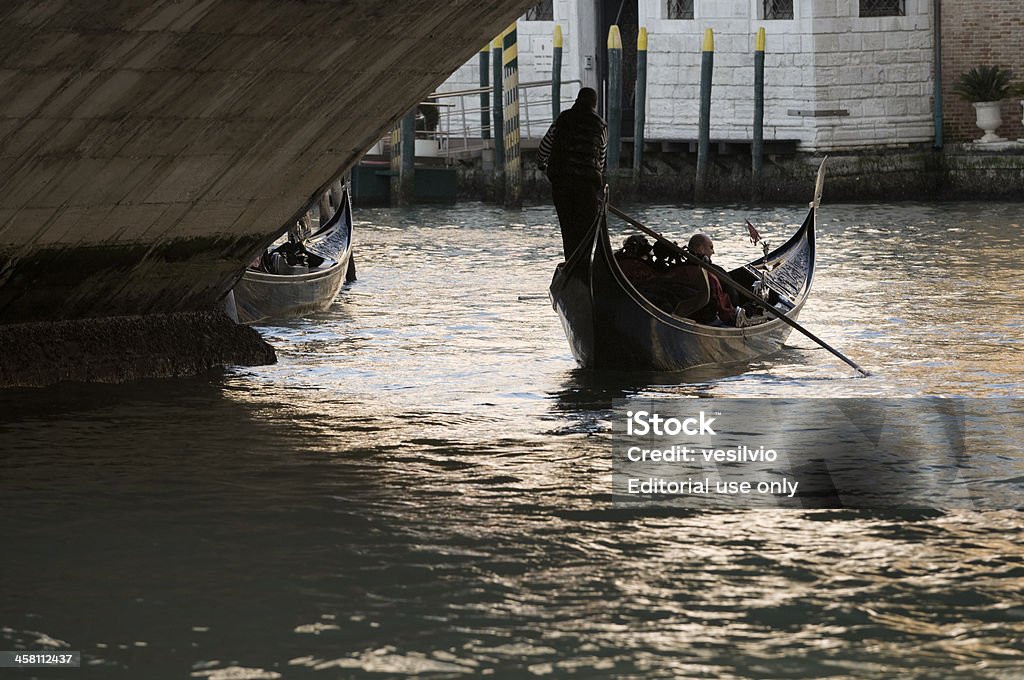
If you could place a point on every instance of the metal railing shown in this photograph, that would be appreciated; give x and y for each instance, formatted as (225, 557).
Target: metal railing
(461, 130)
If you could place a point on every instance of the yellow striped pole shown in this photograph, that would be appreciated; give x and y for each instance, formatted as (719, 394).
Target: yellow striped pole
(513, 165)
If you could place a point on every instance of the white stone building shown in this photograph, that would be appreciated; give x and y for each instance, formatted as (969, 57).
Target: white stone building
(839, 74)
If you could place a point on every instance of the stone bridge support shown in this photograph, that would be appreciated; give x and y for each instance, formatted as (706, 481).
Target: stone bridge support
(148, 149)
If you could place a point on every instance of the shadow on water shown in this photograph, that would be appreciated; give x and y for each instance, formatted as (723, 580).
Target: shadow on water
(586, 389)
(202, 522)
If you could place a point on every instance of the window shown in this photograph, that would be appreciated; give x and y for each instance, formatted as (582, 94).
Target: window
(883, 8)
(542, 11)
(679, 9)
(777, 9)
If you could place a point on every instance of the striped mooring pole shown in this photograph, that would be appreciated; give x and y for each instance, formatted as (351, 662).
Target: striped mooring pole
(614, 97)
(556, 74)
(640, 106)
(513, 164)
(707, 65)
(757, 144)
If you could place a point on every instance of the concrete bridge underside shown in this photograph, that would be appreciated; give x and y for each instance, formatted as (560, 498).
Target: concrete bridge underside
(149, 149)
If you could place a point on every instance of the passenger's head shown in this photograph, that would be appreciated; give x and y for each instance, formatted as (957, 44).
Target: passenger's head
(586, 98)
(636, 246)
(702, 245)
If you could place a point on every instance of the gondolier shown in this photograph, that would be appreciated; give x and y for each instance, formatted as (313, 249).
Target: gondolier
(573, 153)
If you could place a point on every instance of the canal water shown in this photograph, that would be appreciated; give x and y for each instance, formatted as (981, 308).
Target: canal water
(420, 486)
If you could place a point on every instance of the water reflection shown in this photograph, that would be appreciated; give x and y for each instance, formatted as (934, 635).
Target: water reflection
(422, 484)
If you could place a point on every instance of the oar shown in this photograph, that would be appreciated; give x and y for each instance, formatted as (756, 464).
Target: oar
(350, 273)
(735, 286)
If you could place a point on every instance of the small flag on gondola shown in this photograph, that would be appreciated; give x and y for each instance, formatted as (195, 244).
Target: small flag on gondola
(754, 236)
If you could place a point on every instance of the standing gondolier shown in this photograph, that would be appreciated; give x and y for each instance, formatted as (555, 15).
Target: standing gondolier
(573, 153)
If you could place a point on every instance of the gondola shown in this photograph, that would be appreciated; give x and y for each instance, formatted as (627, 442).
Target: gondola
(611, 325)
(299, 274)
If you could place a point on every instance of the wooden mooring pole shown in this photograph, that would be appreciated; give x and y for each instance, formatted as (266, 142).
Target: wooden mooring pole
(485, 97)
(640, 105)
(403, 160)
(707, 65)
(757, 144)
(510, 85)
(498, 122)
(556, 74)
(614, 102)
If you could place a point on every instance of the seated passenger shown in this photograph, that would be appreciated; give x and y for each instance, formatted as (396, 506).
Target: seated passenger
(635, 259)
(687, 288)
(719, 311)
(675, 287)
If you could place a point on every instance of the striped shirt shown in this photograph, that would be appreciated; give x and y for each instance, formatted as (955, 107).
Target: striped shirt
(548, 143)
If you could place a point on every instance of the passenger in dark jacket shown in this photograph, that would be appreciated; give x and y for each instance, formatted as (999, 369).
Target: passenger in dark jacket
(573, 153)
(720, 309)
(634, 260)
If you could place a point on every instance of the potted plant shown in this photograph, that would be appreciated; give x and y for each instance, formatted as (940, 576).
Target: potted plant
(1018, 91)
(985, 87)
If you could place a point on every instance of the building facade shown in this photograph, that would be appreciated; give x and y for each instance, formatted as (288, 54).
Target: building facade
(839, 75)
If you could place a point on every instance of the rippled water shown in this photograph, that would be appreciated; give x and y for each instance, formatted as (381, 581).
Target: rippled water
(421, 484)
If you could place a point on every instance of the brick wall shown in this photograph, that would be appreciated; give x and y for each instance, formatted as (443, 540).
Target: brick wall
(976, 32)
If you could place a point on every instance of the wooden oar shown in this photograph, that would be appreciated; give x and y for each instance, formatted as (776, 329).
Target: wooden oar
(735, 286)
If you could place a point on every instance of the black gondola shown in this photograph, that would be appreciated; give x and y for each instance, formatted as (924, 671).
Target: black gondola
(610, 324)
(275, 288)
